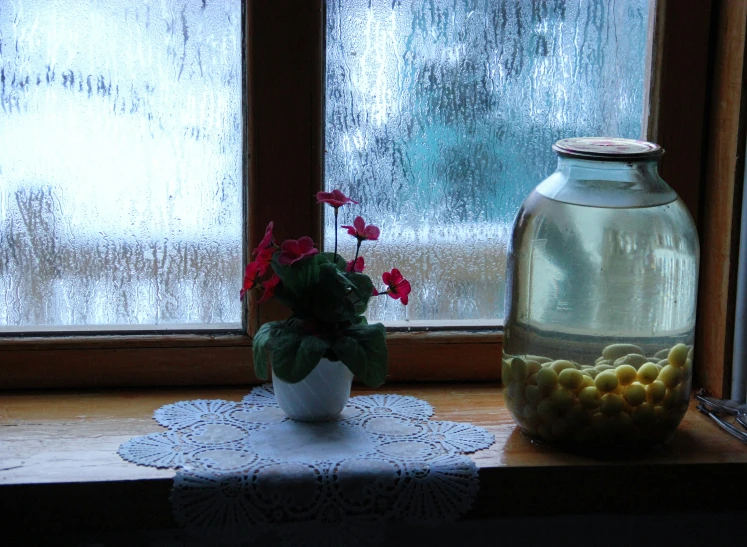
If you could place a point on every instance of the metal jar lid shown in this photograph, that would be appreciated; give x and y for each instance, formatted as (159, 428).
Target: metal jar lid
(607, 149)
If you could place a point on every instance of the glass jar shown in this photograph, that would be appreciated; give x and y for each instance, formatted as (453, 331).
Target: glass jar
(600, 305)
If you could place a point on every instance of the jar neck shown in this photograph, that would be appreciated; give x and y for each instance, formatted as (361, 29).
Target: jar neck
(582, 169)
(614, 184)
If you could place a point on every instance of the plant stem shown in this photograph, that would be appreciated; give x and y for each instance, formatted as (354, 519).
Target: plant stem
(335, 235)
(357, 250)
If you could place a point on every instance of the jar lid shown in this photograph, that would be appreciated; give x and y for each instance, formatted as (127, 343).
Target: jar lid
(607, 149)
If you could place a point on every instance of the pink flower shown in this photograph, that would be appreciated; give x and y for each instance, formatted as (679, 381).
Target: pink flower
(361, 231)
(269, 288)
(266, 242)
(293, 250)
(399, 287)
(335, 198)
(356, 266)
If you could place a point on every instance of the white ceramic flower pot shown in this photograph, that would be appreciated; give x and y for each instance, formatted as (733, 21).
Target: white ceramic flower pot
(320, 396)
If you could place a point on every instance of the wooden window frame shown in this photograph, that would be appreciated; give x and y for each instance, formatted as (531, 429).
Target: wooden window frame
(699, 42)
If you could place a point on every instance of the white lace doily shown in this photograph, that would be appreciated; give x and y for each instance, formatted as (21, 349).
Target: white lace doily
(245, 468)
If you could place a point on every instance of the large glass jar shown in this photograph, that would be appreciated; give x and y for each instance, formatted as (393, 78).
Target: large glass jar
(600, 304)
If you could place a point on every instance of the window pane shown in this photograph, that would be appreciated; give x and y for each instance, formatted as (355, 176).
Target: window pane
(120, 163)
(441, 115)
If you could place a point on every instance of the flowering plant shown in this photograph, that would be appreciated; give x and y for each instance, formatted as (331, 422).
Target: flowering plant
(328, 297)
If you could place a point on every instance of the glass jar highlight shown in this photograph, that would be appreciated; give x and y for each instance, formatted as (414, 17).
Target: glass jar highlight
(600, 305)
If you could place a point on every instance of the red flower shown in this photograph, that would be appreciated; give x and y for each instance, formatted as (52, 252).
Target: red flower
(266, 242)
(251, 274)
(361, 231)
(264, 258)
(293, 250)
(269, 288)
(335, 198)
(399, 287)
(356, 266)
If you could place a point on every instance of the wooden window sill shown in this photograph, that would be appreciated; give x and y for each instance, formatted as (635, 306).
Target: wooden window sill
(57, 446)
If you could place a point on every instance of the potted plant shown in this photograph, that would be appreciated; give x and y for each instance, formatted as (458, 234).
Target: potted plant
(315, 352)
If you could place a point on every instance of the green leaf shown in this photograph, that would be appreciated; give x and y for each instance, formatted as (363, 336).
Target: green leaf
(340, 264)
(259, 346)
(362, 288)
(300, 276)
(294, 355)
(363, 350)
(298, 283)
(331, 302)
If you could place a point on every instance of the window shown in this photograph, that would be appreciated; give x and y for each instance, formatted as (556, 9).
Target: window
(121, 165)
(440, 118)
(285, 68)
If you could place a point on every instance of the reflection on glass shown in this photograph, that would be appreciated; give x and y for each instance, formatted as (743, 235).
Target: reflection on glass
(120, 163)
(440, 121)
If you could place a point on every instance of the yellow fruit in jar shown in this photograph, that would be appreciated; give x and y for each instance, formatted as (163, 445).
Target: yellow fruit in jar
(590, 397)
(622, 423)
(611, 404)
(560, 365)
(546, 411)
(560, 428)
(547, 379)
(599, 421)
(539, 359)
(660, 413)
(582, 435)
(529, 412)
(562, 399)
(648, 373)
(533, 394)
(656, 391)
(662, 353)
(588, 382)
(506, 375)
(616, 351)
(518, 369)
(606, 381)
(678, 355)
(626, 374)
(533, 367)
(643, 415)
(674, 397)
(687, 371)
(571, 379)
(670, 376)
(691, 353)
(577, 416)
(545, 431)
(635, 394)
(632, 359)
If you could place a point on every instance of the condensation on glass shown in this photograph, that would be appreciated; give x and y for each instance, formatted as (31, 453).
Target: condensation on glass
(440, 119)
(120, 164)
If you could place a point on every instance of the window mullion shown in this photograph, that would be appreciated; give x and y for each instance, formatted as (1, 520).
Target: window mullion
(286, 58)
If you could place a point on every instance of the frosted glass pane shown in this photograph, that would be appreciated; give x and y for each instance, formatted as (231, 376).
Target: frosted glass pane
(120, 163)
(441, 115)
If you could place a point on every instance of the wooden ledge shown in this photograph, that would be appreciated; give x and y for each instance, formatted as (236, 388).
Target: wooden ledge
(63, 446)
